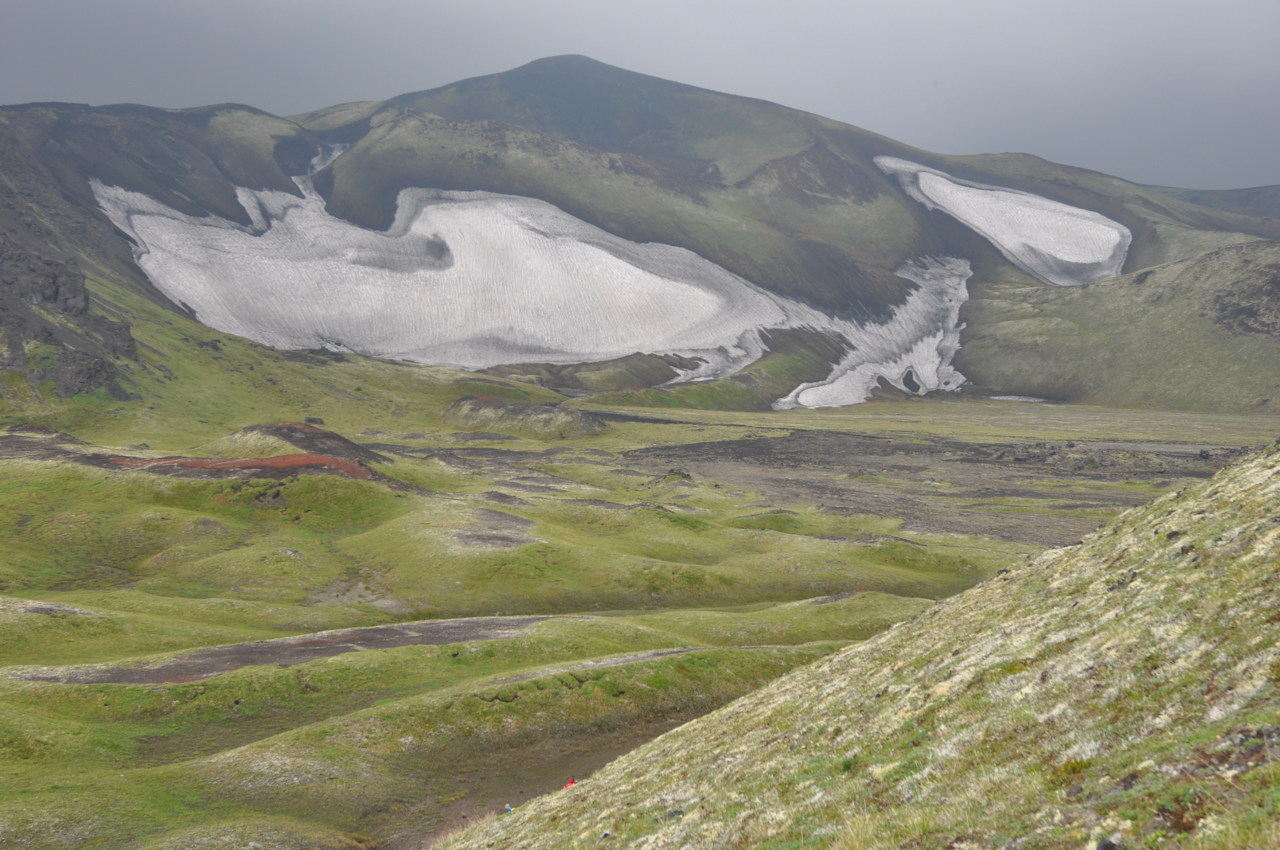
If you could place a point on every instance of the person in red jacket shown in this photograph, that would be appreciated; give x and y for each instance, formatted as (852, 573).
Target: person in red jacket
(570, 782)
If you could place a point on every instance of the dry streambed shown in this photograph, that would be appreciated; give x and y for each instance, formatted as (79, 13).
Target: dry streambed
(1049, 494)
(288, 651)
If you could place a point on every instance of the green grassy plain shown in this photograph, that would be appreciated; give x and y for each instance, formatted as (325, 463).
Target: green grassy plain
(128, 569)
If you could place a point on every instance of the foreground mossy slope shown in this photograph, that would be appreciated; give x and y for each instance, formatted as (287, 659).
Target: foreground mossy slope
(1122, 692)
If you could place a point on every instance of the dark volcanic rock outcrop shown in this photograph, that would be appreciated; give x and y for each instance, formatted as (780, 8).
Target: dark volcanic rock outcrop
(49, 331)
(311, 438)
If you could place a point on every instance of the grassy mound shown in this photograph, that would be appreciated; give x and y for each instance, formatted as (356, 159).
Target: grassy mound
(541, 421)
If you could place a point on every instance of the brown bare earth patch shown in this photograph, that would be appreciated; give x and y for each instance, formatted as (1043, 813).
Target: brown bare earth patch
(315, 440)
(286, 652)
(256, 467)
(496, 529)
(504, 498)
(1050, 494)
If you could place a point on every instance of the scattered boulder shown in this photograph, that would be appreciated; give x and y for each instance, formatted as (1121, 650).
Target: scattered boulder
(49, 331)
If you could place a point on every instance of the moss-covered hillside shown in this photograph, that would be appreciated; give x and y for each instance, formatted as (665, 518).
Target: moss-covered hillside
(790, 201)
(1199, 333)
(1118, 693)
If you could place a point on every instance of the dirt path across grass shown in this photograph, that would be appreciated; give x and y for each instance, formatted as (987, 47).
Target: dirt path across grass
(286, 652)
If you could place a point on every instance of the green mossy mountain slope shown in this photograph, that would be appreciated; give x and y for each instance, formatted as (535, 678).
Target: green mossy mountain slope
(789, 200)
(1203, 332)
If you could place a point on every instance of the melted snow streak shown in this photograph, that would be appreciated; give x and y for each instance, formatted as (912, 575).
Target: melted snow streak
(1053, 242)
(474, 279)
(912, 351)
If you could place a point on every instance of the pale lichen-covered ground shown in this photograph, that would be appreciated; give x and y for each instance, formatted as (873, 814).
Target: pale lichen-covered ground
(1118, 693)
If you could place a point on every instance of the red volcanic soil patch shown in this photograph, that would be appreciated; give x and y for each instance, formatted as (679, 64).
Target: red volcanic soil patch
(324, 453)
(255, 467)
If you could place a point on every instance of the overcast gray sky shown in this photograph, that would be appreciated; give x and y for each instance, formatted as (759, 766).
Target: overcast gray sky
(1152, 90)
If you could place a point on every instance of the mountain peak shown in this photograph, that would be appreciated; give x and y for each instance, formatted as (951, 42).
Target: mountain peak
(575, 61)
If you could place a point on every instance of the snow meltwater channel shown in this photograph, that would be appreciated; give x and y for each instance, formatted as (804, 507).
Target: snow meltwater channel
(474, 279)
